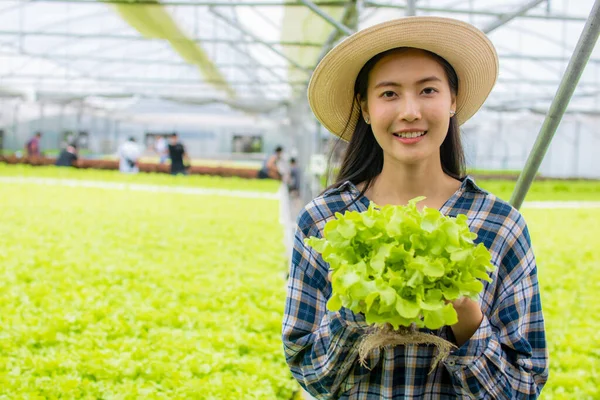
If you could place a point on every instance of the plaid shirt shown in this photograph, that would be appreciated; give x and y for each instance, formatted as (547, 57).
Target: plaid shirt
(506, 358)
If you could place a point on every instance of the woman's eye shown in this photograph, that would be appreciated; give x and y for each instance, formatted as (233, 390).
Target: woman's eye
(388, 94)
(429, 90)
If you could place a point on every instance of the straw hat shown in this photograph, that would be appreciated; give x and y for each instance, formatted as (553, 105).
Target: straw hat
(466, 48)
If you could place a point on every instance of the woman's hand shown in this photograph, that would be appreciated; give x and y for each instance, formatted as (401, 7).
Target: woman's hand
(469, 318)
(461, 303)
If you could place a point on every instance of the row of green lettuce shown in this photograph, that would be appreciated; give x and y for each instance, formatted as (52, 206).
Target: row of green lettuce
(546, 190)
(541, 190)
(120, 295)
(202, 181)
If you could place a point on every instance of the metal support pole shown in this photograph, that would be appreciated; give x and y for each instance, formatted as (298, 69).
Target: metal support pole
(61, 126)
(116, 127)
(582, 53)
(42, 120)
(15, 126)
(340, 27)
(411, 7)
(508, 17)
(21, 29)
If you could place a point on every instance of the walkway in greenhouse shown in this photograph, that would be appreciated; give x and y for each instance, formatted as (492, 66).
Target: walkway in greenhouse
(294, 209)
(140, 187)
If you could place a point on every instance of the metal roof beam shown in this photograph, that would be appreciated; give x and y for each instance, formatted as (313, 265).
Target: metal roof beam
(207, 3)
(466, 11)
(542, 110)
(137, 79)
(526, 57)
(519, 103)
(94, 36)
(507, 81)
(349, 17)
(142, 61)
(279, 3)
(245, 104)
(343, 29)
(510, 16)
(541, 82)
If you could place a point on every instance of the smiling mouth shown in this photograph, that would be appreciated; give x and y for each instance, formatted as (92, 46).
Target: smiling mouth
(410, 135)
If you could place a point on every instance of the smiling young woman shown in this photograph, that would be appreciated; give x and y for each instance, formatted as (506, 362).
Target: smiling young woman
(415, 81)
(407, 98)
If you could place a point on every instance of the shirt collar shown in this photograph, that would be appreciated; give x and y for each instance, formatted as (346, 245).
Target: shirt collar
(468, 185)
(345, 186)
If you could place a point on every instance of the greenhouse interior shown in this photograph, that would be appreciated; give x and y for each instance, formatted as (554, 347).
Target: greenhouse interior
(144, 144)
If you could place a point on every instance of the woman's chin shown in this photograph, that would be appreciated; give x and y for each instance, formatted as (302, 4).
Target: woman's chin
(409, 157)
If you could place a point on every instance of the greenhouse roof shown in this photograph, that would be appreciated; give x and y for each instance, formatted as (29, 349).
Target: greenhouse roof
(258, 55)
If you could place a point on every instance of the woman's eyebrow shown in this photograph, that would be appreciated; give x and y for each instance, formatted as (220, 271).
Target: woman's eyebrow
(432, 78)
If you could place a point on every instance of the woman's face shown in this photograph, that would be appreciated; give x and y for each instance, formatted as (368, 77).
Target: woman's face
(408, 106)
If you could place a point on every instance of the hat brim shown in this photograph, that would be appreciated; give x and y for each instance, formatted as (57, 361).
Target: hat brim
(466, 48)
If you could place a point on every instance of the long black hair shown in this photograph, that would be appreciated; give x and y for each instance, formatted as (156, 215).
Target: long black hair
(363, 159)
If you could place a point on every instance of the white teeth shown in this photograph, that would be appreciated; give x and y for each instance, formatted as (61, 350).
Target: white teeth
(409, 135)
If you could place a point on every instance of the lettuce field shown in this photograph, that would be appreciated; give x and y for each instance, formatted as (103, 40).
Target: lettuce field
(566, 244)
(118, 294)
(125, 295)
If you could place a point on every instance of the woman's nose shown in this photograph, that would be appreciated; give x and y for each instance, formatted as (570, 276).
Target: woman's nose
(409, 109)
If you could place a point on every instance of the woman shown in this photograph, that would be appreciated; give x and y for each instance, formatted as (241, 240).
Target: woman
(415, 81)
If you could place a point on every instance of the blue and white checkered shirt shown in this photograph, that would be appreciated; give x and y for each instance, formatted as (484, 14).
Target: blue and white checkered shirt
(506, 358)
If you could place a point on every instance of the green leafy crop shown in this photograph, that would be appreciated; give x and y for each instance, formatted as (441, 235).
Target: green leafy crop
(126, 295)
(398, 265)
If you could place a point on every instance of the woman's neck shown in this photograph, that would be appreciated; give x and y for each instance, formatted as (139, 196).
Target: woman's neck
(398, 183)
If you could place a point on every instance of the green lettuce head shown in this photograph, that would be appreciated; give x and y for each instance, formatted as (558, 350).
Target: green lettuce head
(398, 265)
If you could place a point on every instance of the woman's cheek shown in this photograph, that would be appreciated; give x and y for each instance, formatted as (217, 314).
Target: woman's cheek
(382, 114)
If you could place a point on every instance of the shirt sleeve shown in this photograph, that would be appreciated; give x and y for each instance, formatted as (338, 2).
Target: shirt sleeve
(507, 357)
(320, 345)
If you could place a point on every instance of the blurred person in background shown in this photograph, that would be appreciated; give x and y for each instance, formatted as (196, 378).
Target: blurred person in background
(177, 155)
(162, 148)
(129, 156)
(33, 145)
(67, 157)
(270, 168)
(294, 178)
